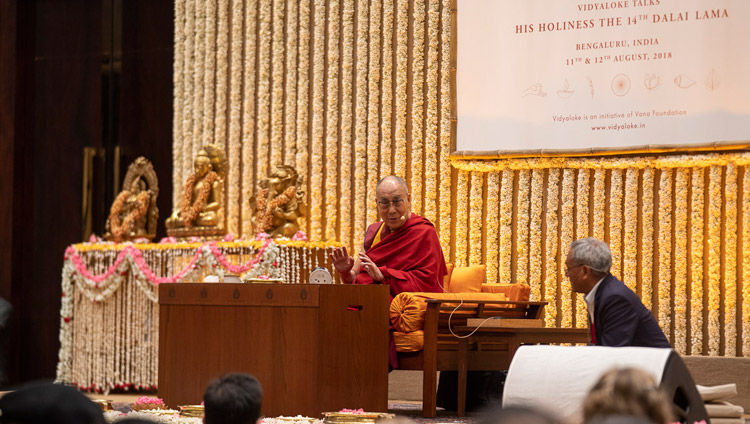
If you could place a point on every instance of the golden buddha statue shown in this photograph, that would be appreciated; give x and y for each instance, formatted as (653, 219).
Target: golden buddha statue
(279, 203)
(134, 213)
(201, 211)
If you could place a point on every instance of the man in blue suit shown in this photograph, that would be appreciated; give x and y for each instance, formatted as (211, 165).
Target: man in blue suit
(616, 314)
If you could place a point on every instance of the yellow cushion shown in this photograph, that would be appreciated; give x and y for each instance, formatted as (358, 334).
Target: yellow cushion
(409, 342)
(408, 308)
(515, 292)
(467, 279)
(447, 278)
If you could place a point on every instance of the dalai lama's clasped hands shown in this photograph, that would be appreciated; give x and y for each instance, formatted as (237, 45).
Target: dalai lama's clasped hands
(348, 268)
(369, 266)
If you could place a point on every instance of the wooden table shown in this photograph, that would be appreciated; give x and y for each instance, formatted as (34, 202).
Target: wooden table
(514, 337)
(314, 348)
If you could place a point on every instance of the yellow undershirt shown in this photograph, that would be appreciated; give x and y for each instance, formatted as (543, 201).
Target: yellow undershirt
(376, 240)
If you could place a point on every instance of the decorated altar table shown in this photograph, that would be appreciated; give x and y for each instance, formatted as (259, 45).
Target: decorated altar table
(109, 317)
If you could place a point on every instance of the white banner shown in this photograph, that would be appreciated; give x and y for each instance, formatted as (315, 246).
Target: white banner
(573, 75)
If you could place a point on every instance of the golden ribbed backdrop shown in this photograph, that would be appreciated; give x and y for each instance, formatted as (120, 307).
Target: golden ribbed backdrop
(349, 91)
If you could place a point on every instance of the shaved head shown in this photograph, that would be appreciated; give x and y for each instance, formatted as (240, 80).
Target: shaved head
(392, 178)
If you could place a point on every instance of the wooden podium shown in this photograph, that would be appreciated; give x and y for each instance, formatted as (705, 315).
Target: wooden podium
(314, 348)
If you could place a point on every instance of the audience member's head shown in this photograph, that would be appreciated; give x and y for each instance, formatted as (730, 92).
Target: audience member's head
(619, 419)
(515, 415)
(49, 403)
(629, 393)
(233, 399)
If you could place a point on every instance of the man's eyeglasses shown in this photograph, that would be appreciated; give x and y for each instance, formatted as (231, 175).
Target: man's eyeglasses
(385, 204)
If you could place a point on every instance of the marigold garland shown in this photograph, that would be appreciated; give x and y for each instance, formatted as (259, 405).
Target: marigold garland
(582, 231)
(431, 165)
(567, 220)
(462, 216)
(222, 72)
(417, 105)
(552, 249)
(318, 123)
(680, 261)
(598, 224)
(360, 126)
(493, 214)
(746, 263)
(535, 234)
(630, 237)
(247, 142)
(475, 219)
(506, 229)
(303, 89)
(714, 259)
(332, 122)
(263, 125)
(139, 211)
(665, 251)
(187, 107)
(191, 209)
(402, 59)
(345, 157)
(277, 89)
(446, 212)
(236, 127)
(657, 162)
(290, 81)
(373, 113)
(209, 93)
(386, 121)
(264, 211)
(178, 82)
(522, 227)
(696, 263)
(730, 261)
(615, 223)
(647, 237)
(198, 58)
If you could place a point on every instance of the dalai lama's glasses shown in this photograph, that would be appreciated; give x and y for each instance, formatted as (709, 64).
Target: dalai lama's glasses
(385, 204)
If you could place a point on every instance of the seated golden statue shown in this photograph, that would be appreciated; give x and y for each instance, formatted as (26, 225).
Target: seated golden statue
(134, 213)
(201, 212)
(279, 203)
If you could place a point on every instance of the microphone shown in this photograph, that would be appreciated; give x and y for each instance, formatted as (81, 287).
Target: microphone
(403, 218)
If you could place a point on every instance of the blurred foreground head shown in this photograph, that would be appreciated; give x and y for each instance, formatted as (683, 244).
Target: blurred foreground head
(233, 399)
(515, 415)
(48, 403)
(627, 392)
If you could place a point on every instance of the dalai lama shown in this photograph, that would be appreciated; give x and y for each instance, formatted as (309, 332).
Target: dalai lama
(401, 251)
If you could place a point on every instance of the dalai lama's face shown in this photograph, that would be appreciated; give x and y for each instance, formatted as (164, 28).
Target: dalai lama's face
(394, 204)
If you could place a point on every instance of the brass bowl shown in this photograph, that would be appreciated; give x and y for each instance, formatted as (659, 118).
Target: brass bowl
(193, 411)
(352, 418)
(104, 404)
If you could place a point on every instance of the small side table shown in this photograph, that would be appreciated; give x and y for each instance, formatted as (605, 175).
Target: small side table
(514, 337)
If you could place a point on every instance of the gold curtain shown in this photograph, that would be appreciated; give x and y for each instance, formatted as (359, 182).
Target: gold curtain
(349, 91)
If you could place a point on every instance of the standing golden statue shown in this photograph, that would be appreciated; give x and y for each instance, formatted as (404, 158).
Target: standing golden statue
(279, 203)
(201, 210)
(134, 214)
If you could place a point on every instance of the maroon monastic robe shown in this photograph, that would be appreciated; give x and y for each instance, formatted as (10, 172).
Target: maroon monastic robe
(410, 259)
